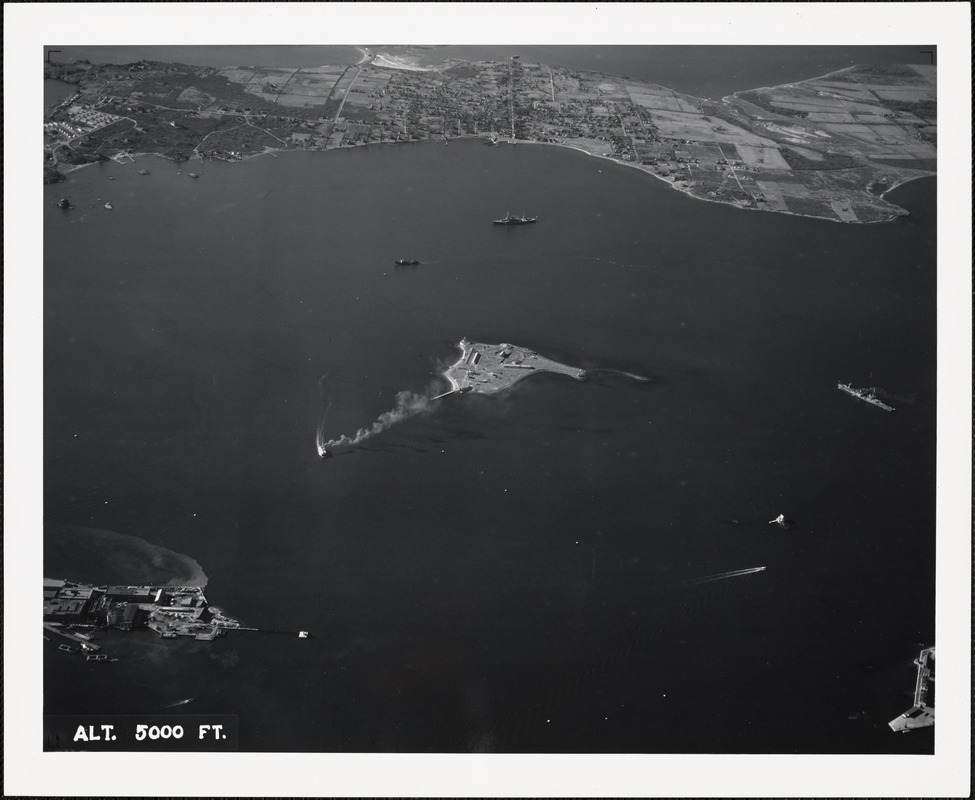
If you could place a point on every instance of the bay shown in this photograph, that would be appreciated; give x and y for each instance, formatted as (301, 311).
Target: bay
(505, 573)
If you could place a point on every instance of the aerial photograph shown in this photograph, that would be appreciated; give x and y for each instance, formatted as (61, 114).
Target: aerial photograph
(511, 399)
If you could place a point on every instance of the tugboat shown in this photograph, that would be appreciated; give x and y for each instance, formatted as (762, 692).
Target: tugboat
(510, 220)
(866, 395)
(63, 203)
(406, 262)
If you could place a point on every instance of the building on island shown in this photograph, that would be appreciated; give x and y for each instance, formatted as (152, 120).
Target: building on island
(170, 611)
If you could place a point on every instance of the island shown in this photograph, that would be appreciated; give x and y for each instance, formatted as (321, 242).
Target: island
(489, 368)
(828, 147)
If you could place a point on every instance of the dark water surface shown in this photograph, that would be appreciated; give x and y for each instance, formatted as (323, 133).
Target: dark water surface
(56, 91)
(702, 70)
(213, 55)
(506, 573)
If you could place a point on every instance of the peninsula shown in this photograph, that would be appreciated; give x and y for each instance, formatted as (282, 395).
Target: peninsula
(827, 147)
(170, 611)
(489, 368)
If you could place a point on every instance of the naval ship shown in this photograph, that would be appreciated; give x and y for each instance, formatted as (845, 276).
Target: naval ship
(866, 395)
(510, 220)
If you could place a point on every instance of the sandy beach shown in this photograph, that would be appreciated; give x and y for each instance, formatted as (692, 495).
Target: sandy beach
(398, 62)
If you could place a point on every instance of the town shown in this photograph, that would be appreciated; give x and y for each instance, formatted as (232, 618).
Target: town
(827, 147)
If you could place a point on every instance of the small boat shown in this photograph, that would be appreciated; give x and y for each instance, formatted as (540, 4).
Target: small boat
(779, 520)
(108, 206)
(63, 203)
(404, 262)
(193, 174)
(302, 634)
(508, 219)
(323, 452)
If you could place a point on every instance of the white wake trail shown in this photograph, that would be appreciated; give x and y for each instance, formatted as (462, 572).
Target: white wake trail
(735, 573)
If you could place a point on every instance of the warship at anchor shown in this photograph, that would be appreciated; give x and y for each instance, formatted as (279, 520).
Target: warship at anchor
(867, 395)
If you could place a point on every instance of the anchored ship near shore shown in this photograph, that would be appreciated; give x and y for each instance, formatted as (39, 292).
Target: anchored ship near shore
(867, 395)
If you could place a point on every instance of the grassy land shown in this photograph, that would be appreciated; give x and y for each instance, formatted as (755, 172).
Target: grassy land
(836, 136)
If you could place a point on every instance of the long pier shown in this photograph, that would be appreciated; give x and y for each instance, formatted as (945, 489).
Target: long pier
(74, 637)
(299, 634)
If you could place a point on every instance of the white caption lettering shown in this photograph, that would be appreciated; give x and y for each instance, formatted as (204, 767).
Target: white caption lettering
(81, 735)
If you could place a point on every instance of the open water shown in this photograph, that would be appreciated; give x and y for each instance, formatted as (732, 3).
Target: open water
(521, 572)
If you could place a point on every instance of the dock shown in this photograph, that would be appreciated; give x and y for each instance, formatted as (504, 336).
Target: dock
(77, 638)
(921, 715)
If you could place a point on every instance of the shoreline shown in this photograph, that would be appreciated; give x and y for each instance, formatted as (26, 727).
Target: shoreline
(486, 369)
(384, 61)
(272, 151)
(790, 83)
(731, 204)
(465, 349)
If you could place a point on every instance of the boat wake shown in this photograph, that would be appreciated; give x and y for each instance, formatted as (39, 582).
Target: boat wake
(735, 573)
(320, 441)
(624, 373)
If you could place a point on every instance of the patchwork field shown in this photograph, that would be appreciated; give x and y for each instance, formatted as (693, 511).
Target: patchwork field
(827, 147)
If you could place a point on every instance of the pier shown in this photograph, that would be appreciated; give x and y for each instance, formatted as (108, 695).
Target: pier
(77, 638)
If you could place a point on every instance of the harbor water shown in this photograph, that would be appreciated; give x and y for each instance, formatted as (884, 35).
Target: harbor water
(519, 572)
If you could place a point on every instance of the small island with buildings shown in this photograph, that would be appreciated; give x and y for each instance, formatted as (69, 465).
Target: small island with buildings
(489, 368)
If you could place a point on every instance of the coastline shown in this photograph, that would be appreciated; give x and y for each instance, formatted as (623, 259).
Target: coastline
(384, 61)
(465, 349)
(672, 185)
(273, 151)
(869, 207)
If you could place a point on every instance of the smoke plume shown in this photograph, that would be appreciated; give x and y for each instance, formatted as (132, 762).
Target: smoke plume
(408, 405)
